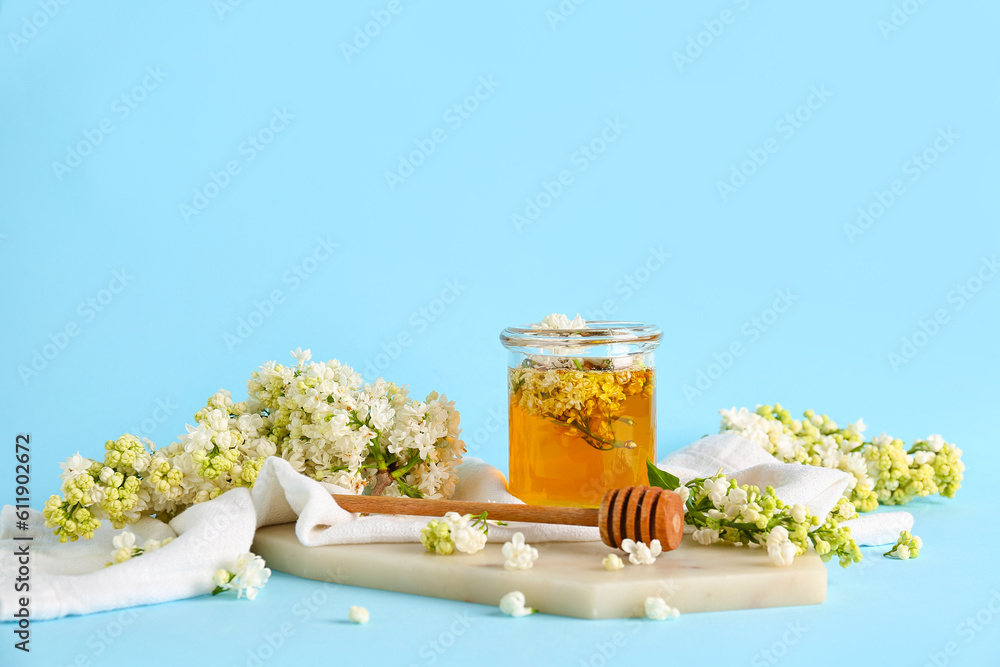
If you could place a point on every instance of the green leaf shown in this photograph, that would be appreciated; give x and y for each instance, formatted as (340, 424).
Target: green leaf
(661, 478)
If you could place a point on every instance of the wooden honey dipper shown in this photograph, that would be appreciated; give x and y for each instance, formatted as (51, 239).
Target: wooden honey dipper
(640, 513)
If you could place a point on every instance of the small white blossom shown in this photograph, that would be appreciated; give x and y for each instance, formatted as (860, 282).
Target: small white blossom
(512, 604)
(123, 540)
(782, 554)
(920, 458)
(249, 575)
(517, 554)
(97, 494)
(560, 321)
(658, 609)
(935, 442)
(153, 545)
(798, 513)
(735, 503)
(302, 356)
(222, 577)
(777, 536)
(121, 555)
(612, 562)
(717, 489)
(857, 427)
(903, 552)
(124, 547)
(196, 439)
(358, 615)
(639, 553)
(73, 466)
(780, 550)
(684, 493)
(467, 538)
(705, 536)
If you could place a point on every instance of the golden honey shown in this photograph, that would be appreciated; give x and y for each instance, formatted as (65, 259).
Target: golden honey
(575, 434)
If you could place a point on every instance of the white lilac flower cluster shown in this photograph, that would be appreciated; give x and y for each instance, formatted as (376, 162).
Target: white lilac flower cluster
(882, 470)
(613, 562)
(907, 546)
(639, 553)
(358, 615)
(720, 510)
(518, 555)
(125, 547)
(455, 532)
(560, 322)
(247, 577)
(657, 609)
(321, 417)
(513, 604)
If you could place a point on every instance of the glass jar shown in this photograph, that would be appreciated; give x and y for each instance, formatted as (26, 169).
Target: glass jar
(582, 410)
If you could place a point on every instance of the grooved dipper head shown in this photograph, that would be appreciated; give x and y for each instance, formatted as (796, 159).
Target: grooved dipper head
(643, 514)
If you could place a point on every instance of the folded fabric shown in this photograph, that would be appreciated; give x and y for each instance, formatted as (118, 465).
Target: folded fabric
(67, 579)
(72, 578)
(815, 487)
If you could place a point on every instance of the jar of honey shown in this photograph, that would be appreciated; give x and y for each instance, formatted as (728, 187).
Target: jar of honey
(582, 410)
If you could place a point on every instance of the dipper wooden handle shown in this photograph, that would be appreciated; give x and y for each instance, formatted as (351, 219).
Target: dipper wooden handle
(642, 513)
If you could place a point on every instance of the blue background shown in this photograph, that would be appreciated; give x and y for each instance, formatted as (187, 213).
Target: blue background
(156, 349)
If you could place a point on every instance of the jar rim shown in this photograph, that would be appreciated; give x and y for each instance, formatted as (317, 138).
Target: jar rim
(597, 332)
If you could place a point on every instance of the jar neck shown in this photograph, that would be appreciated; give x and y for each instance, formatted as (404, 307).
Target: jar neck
(598, 340)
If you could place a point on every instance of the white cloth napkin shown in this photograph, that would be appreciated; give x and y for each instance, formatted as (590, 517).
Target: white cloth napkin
(70, 578)
(815, 487)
